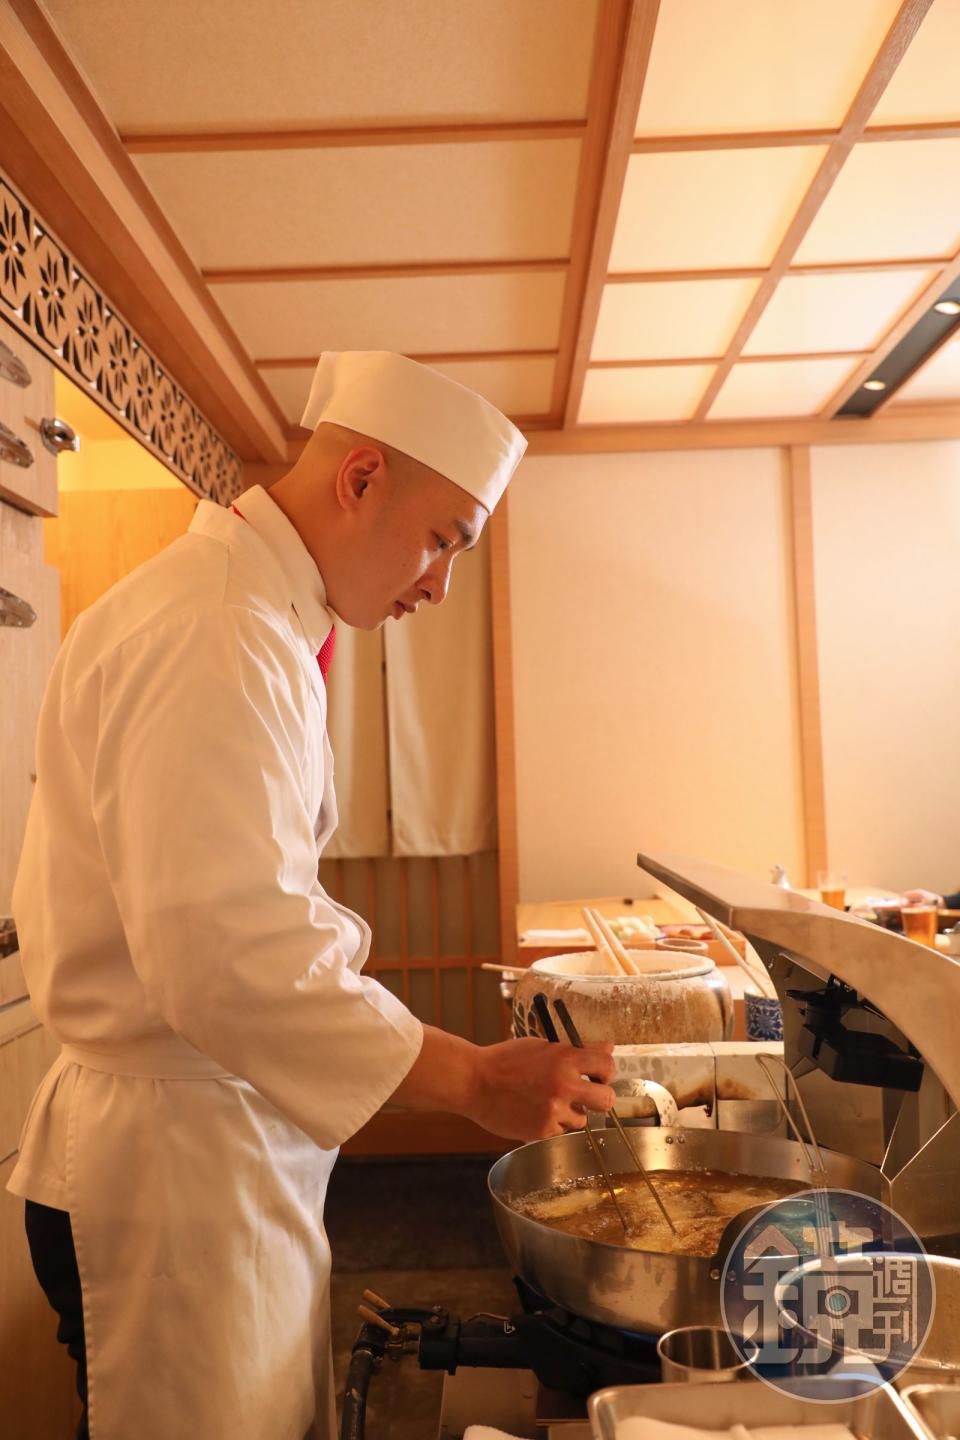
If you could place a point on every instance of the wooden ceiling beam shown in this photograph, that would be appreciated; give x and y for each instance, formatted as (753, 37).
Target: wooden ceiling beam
(648, 364)
(198, 142)
(775, 139)
(945, 275)
(624, 39)
(401, 270)
(754, 272)
(437, 357)
(894, 427)
(730, 140)
(905, 25)
(60, 149)
(343, 137)
(608, 44)
(927, 130)
(921, 410)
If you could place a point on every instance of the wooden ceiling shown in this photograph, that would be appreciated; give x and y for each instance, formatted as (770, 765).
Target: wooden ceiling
(672, 216)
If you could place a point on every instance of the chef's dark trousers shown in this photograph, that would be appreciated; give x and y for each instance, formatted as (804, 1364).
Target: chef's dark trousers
(55, 1262)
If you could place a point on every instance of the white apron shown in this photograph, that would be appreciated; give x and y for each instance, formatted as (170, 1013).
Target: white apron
(175, 938)
(204, 1264)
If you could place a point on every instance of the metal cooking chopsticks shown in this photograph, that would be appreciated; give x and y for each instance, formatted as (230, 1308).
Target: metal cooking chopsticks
(573, 1035)
(550, 1031)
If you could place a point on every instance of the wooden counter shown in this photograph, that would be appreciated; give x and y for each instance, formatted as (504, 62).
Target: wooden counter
(566, 915)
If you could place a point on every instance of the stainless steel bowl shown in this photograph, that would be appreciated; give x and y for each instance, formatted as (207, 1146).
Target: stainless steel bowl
(636, 1289)
(937, 1406)
(939, 1358)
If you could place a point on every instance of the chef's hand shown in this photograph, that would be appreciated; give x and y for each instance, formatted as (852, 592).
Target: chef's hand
(520, 1089)
(923, 897)
(529, 1089)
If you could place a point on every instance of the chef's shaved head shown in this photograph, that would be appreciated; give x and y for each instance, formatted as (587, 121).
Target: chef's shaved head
(330, 444)
(382, 527)
(419, 411)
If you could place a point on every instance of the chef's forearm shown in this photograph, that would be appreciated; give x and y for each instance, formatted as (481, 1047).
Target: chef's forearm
(520, 1089)
(444, 1076)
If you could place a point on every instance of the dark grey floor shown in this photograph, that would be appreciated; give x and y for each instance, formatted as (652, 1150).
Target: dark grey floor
(419, 1233)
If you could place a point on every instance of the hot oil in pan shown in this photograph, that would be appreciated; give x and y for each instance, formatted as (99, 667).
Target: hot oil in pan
(700, 1202)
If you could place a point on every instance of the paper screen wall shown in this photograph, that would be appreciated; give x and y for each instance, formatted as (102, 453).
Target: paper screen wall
(886, 537)
(416, 739)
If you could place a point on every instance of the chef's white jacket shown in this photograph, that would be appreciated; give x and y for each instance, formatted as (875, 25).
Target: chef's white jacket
(219, 1039)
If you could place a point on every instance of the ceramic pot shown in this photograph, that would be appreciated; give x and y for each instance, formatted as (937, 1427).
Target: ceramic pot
(681, 998)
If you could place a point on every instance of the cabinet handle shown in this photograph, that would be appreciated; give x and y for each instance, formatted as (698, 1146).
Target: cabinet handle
(57, 436)
(14, 449)
(14, 611)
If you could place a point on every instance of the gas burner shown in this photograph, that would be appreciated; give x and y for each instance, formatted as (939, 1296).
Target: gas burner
(566, 1353)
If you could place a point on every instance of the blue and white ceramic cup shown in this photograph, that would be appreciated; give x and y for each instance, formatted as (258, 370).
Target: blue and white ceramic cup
(764, 1017)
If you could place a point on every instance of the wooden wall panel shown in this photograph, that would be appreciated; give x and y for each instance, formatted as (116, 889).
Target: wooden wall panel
(101, 535)
(12, 984)
(26, 1052)
(26, 655)
(33, 488)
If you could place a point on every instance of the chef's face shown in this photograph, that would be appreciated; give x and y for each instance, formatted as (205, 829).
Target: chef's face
(407, 526)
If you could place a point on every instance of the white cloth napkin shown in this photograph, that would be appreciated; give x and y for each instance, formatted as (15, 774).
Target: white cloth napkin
(556, 937)
(638, 1427)
(487, 1432)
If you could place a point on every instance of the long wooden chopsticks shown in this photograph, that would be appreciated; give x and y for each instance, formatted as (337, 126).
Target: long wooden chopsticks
(550, 1031)
(618, 958)
(759, 977)
(573, 1035)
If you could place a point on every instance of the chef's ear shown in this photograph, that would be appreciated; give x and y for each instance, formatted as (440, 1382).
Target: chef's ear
(363, 471)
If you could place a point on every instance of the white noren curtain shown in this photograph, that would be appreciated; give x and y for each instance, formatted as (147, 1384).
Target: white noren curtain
(427, 738)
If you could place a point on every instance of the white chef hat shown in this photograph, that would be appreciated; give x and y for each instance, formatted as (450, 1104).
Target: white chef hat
(420, 412)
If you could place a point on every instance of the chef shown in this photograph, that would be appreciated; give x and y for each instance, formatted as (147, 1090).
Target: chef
(220, 1040)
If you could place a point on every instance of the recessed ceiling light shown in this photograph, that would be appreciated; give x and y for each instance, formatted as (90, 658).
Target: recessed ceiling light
(947, 307)
(874, 384)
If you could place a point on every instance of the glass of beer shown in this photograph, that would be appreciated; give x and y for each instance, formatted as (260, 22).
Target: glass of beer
(920, 923)
(833, 888)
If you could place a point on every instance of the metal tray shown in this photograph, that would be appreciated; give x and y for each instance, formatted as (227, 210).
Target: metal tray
(936, 1406)
(880, 1415)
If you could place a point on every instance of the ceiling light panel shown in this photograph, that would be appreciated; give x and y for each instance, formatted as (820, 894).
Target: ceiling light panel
(187, 66)
(891, 200)
(642, 394)
(361, 206)
(707, 209)
(924, 84)
(833, 312)
(415, 316)
(516, 386)
(938, 380)
(757, 65)
(779, 388)
(668, 319)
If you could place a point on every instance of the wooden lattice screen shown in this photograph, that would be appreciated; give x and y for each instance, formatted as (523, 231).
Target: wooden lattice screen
(434, 922)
